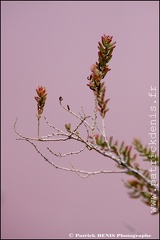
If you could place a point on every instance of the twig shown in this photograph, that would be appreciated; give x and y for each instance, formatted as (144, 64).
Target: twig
(95, 113)
(71, 169)
(38, 118)
(39, 139)
(50, 125)
(108, 154)
(74, 114)
(104, 133)
(66, 154)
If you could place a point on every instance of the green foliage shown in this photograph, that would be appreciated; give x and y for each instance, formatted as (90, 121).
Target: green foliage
(145, 152)
(125, 153)
(100, 141)
(138, 187)
(102, 103)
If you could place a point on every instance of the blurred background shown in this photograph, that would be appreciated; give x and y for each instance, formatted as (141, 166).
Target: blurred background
(53, 44)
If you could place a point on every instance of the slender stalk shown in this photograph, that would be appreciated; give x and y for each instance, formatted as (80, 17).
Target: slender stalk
(95, 114)
(74, 114)
(104, 133)
(38, 117)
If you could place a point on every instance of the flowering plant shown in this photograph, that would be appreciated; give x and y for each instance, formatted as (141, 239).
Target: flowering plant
(41, 99)
(142, 185)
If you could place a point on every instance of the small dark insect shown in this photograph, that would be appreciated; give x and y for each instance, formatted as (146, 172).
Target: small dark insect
(68, 107)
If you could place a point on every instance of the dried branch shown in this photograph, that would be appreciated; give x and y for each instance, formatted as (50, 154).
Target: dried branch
(118, 159)
(74, 114)
(51, 126)
(66, 154)
(73, 169)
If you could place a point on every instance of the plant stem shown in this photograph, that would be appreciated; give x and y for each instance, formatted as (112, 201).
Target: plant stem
(104, 132)
(38, 125)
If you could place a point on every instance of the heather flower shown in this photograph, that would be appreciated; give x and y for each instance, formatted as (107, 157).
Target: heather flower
(99, 71)
(41, 99)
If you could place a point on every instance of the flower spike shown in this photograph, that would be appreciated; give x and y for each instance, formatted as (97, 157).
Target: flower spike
(41, 99)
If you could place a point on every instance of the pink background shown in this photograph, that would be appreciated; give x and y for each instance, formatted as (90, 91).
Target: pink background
(53, 44)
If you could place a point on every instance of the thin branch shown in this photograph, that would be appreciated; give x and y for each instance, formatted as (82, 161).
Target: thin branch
(104, 133)
(135, 171)
(50, 125)
(40, 139)
(95, 113)
(66, 154)
(74, 114)
(38, 118)
(71, 169)
(22, 136)
(61, 133)
(118, 159)
(86, 126)
(79, 174)
(82, 120)
(53, 134)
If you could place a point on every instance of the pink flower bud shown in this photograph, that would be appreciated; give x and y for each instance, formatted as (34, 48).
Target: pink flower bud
(109, 39)
(41, 92)
(93, 67)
